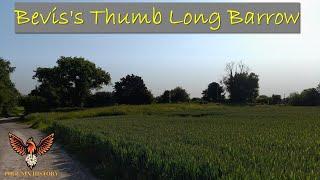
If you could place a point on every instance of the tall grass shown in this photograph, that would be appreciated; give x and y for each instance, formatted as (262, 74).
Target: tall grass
(42, 120)
(196, 142)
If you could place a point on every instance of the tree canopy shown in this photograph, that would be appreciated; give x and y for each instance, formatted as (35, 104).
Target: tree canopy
(100, 99)
(241, 84)
(308, 97)
(214, 93)
(8, 92)
(165, 97)
(132, 90)
(179, 94)
(70, 82)
(175, 95)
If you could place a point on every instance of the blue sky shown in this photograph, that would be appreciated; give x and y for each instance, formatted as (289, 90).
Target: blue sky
(285, 62)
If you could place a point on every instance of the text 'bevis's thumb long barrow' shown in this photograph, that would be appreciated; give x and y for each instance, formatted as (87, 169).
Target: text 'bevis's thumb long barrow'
(30, 148)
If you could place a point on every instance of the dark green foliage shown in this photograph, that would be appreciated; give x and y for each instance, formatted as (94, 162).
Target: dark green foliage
(70, 82)
(165, 97)
(242, 85)
(263, 99)
(275, 99)
(214, 93)
(175, 95)
(132, 90)
(308, 97)
(8, 93)
(197, 100)
(294, 99)
(179, 94)
(50, 95)
(100, 99)
(33, 104)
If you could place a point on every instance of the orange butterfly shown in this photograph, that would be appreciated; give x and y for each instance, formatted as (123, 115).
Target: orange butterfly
(30, 148)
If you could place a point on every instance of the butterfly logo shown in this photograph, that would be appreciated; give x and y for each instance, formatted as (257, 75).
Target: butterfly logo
(30, 148)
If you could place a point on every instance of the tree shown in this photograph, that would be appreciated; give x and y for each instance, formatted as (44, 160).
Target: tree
(275, 99)
(197, 100)
(33, 104)
(8, 93)
(175, 95)
(294, 99)
(214, 93)
(70, 82)
(263, 99)
(100, 99)
(310, 97)
(179, 94)
(241, 84)
(49, 95)
(132, 90)
(165, 97)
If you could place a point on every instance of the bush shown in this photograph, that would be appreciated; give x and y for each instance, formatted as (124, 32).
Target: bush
(197, 100)
(33, 104)
(276, 99)
(263, 99)
(100, 99)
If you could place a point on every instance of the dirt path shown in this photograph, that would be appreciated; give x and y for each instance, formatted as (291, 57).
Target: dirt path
(56, 164)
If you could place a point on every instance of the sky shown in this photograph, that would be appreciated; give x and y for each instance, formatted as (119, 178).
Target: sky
(285, 63)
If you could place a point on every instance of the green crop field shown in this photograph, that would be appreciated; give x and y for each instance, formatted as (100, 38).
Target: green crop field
(191, 140)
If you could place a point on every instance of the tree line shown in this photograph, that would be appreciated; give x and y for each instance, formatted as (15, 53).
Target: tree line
(75, 83)
(8, 93)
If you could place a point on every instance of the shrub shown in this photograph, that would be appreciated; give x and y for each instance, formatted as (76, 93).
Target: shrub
(100, 99)
(34, 104)
(276, 99)
(263, 99)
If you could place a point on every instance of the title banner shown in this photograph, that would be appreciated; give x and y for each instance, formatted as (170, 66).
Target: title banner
(157, 17)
